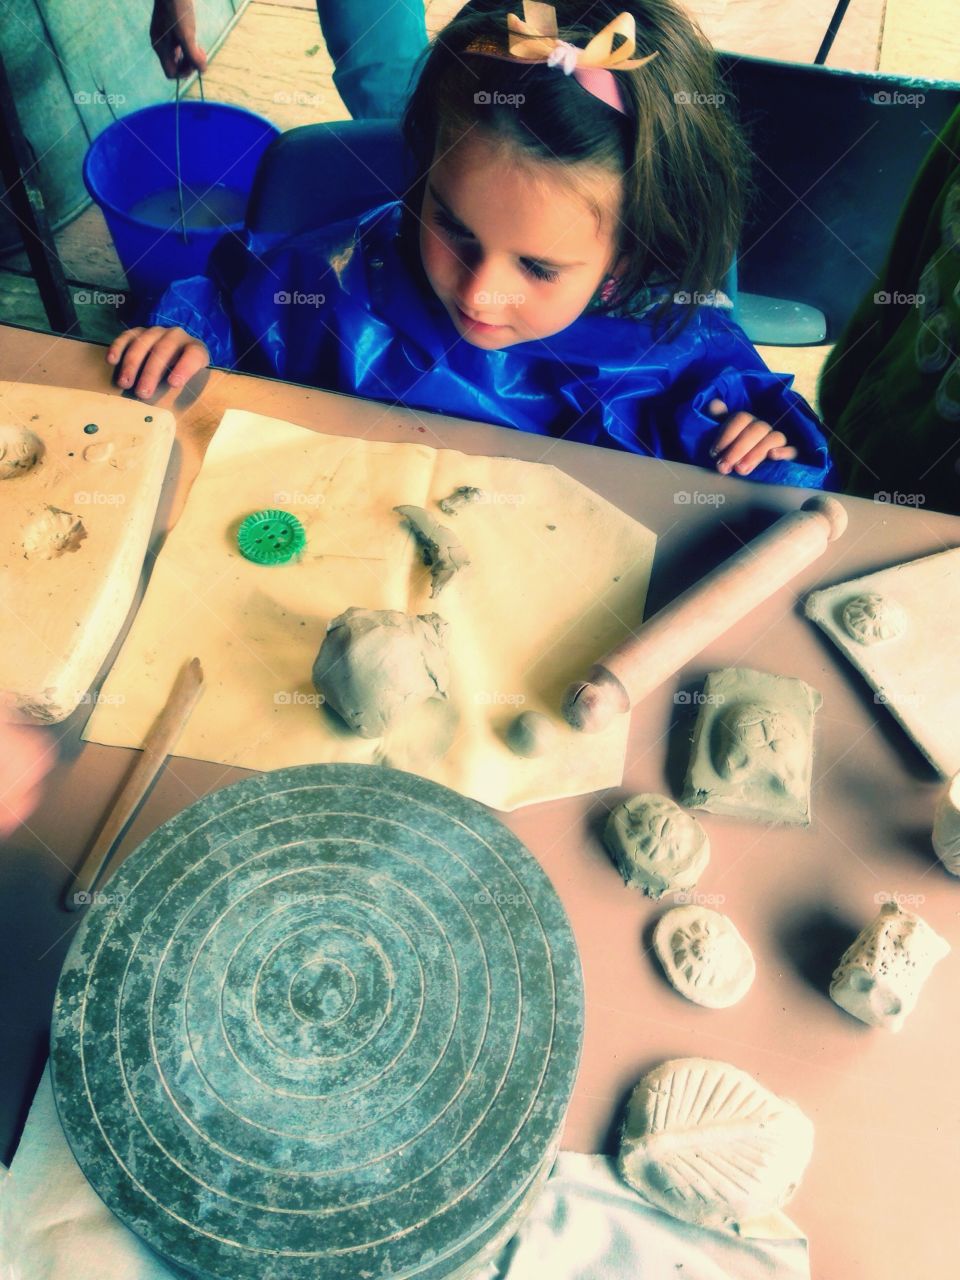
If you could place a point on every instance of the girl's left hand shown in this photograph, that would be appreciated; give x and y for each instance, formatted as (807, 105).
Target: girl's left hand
(744, 441)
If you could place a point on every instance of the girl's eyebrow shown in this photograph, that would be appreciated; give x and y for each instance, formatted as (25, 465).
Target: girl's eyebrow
(542, 262)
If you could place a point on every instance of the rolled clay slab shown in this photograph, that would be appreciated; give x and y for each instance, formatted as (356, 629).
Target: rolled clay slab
(881, 973)
(706, 1143)
(752, 754)
(704, 956)
(657, 847)
(946, 827)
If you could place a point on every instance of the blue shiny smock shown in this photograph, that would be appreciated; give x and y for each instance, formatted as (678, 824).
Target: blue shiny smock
(348, 308)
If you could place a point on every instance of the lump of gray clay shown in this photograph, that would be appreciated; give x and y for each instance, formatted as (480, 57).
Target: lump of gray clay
(440, 548)
(657, 847)
(376, 664)
(461, 497)
(530, 734)
(20, 451)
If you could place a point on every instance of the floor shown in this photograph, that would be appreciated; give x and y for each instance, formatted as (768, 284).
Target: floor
(277, 44)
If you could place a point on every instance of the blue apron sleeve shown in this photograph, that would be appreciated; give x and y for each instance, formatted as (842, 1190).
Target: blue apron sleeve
(732, 370)
(197, 305)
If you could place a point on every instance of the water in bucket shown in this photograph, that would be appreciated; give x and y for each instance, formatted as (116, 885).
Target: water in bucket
(220, 206)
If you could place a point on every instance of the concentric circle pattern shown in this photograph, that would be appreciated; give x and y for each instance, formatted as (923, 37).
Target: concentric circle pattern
(324, 1023)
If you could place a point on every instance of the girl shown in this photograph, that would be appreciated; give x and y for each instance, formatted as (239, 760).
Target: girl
(554, 269)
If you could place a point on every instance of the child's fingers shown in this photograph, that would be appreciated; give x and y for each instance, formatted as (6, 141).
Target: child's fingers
(784, 453)
(731, 430)
(162, 355)
(716, 407)
(762, 449)
(120, 344)
(192, 359)
(135, 354)
(750, 434)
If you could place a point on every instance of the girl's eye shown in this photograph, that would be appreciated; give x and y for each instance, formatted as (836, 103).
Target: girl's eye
(540, 273)
(453, 229)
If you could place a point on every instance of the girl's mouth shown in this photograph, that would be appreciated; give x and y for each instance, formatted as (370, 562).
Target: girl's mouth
(477, 326)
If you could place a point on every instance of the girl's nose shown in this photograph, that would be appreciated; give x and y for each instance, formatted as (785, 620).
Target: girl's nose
(482, 283)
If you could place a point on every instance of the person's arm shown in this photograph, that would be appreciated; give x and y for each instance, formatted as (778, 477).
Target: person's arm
(173, 34)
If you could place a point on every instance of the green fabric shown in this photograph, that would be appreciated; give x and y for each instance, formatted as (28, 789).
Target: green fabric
(890, 390)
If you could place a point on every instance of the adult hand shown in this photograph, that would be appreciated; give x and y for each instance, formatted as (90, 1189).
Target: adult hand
(173, 34)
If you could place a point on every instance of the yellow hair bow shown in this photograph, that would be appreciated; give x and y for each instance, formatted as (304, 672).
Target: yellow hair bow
(536, 38)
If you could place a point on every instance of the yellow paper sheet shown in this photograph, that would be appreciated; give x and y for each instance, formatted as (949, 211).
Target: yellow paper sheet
(557, 577)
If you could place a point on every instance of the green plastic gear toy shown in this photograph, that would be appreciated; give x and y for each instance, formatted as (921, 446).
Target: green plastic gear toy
(271, 537)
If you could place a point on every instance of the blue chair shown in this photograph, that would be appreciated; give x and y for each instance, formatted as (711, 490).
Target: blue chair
(835, 155)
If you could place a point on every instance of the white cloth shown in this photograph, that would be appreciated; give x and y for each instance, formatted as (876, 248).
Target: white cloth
(586, 1225)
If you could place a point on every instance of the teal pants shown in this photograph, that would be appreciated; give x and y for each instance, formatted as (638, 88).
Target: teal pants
(375, 46)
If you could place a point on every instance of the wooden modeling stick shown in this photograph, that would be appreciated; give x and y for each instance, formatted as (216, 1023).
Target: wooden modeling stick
(157, 745)
(702, 613)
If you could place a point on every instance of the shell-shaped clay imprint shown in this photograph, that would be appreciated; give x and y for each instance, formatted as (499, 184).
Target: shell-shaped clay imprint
(764, 744)
(657, 846)
(704, 956)
(52, 533)
(20, 451)
(706, 1143)
(870, 618)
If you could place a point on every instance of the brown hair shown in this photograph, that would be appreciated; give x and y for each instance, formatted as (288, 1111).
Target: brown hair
(682, 161)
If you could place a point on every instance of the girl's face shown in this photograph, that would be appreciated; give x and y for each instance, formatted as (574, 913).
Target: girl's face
(513, 251)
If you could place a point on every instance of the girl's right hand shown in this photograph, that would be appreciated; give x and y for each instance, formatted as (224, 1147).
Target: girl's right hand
(143, 356)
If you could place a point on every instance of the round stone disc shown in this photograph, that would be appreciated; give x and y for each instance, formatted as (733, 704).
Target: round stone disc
(325, 1022)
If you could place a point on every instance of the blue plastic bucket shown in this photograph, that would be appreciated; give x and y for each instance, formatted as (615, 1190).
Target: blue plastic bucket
(130, 170)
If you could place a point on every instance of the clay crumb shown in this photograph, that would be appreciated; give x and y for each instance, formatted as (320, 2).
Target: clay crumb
(461, 497)
(440, 549)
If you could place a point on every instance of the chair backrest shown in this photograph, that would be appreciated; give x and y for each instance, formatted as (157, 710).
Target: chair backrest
(321, 173)
(836, 153)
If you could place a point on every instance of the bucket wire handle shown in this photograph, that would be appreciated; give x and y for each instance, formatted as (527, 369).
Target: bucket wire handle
(176, 130)
(176, 123)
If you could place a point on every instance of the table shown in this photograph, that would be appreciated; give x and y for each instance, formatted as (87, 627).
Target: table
(878, 1199)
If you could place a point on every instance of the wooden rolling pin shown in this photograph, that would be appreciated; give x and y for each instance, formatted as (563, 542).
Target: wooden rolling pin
(157, 745)
(702, 613)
